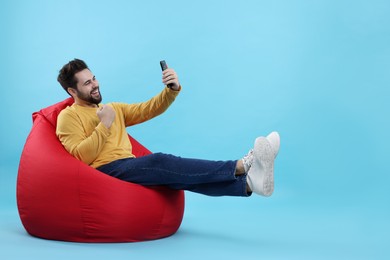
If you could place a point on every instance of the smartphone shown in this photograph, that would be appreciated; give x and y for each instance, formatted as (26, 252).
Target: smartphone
(164, 66)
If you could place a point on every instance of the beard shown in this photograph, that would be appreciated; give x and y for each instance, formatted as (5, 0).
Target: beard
(91, 98)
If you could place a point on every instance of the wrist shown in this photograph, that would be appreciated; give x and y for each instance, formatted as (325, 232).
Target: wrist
(107, 124)
(175, 87)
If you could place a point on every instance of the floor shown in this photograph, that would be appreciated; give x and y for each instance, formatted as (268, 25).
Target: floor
(280, 227)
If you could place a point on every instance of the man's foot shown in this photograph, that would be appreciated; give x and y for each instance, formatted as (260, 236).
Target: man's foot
(247, 160)
(274, 139)
(260, 178)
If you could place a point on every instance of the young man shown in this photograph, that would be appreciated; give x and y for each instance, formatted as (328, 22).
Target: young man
(96, 134)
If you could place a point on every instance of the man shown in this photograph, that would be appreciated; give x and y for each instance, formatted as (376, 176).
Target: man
(96, 134)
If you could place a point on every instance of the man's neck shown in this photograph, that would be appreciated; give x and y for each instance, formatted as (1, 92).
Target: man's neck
(83, 103)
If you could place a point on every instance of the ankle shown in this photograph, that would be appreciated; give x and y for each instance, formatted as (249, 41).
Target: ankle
(240, 170)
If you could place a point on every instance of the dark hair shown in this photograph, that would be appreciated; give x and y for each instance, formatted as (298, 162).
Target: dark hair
(66, 76)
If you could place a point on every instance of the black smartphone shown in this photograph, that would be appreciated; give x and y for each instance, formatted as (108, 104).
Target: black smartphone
(164, 66)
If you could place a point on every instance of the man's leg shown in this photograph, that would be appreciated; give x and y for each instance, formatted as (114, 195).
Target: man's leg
(213, 178)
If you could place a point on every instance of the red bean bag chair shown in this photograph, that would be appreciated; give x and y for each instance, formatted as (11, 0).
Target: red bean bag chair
(62, 198)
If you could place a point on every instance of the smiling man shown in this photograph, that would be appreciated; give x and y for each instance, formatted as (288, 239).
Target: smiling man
(96, 134)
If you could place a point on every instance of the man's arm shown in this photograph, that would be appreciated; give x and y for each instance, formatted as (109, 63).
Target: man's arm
(71, 133)
(141, 112)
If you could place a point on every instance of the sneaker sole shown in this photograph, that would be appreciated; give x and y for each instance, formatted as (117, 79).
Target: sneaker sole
(274, 139)
(264, 160)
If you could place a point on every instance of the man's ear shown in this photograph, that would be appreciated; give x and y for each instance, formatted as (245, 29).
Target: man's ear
(72, 91)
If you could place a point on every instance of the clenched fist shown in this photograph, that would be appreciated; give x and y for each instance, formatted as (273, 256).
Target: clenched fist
(106, 115)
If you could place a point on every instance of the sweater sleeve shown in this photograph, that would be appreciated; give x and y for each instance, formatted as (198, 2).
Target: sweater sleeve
(141, 112)
(71, 133)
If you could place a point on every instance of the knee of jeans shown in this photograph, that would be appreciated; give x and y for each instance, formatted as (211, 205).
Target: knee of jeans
(162, 157)
(157, 157)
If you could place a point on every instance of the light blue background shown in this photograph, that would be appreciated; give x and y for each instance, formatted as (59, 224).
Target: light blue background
(316, 71)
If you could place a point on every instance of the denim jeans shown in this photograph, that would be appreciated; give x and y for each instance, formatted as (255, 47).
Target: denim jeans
(212, 178)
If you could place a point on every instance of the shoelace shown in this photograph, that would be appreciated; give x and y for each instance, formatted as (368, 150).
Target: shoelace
(247, 160)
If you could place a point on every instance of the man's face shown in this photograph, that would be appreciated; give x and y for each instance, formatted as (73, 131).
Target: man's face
(87, 88)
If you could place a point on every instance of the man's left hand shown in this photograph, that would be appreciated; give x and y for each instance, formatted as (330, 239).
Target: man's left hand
(169, 76)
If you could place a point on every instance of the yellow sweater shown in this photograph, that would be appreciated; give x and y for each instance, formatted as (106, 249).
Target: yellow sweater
(86, 138)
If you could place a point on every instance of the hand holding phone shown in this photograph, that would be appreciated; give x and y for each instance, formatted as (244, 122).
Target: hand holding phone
(164, 66)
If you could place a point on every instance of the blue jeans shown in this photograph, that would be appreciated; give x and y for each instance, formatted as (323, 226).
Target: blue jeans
(212, 178)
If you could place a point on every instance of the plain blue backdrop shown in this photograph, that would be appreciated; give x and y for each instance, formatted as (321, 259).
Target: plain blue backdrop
(316, 71)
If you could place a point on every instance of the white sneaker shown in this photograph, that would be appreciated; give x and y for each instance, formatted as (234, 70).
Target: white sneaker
(247, 160)
(260, 176)
(274, 139)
